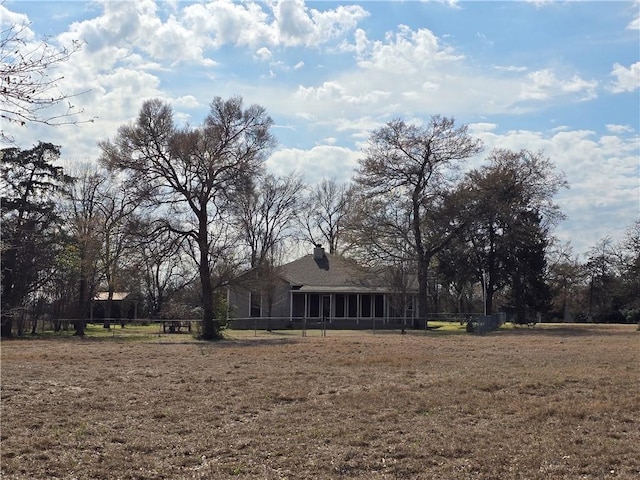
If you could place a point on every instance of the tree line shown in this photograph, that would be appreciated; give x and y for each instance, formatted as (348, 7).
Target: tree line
(173, 213)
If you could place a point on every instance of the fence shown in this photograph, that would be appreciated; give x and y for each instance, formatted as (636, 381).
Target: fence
(342, 323)
(117, 327)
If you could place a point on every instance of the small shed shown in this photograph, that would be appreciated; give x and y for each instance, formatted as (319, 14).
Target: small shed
(124, 306)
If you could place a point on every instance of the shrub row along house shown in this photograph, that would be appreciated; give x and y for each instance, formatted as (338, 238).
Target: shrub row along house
(319, 287)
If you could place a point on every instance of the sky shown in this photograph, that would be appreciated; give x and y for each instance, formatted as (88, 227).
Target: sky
(558, 77)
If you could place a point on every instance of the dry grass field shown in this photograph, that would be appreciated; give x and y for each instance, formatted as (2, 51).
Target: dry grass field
(553, 402)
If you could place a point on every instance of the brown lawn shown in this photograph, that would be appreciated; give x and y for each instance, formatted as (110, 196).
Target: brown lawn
(554, 402)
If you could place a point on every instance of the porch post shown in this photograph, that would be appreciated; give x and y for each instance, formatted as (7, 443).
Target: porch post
(290, 306)
(332, 306)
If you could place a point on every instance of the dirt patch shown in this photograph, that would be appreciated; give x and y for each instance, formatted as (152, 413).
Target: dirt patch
(521, 404)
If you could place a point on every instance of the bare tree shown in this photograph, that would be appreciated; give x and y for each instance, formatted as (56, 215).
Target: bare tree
(28, 87)
(324, 217)
(82, 220)
(404, 179)
(192, 174)
(566, 277)
(116, 206)
(163, 266)
(266, 213)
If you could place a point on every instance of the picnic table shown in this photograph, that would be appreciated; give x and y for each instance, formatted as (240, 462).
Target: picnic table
(176, 326)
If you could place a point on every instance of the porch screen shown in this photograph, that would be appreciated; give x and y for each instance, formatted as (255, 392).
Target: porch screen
(353, 305)
(340, 306)
(379, 306)
(314, 305)
(366, 305)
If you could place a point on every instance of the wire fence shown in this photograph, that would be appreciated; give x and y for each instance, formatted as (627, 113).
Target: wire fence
(324, 324)
(318, 326)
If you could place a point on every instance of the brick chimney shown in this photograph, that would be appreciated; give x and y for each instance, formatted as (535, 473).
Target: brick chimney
(318, 252)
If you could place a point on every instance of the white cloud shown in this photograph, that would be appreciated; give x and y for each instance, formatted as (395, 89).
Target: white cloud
(412, 71)
(186, 101)
(299, 25)
(279, 23)
(10, 19)
(510, 68)
(125, 29)
(406, 51)
(318, 163)
(479, 127)
(627, 79)
(264, 54)
(619, 129)
(544, 84)
(228, 22)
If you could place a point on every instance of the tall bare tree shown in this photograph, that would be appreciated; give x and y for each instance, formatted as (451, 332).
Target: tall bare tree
(164, 268)
(82, 220)
(566, 278)
(265, 213)
(404, 179)
(324, 217)
(193, 172)
(117, 205)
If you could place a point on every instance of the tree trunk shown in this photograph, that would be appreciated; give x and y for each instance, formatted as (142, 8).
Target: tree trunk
(423, 289)
(518, 299)
(423, 263)
(5, 327)
(108, 307)
(78, 323)
(7, 291)
(489, 291)
(210, 329)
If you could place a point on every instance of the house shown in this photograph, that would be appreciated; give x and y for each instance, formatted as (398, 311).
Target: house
(319, 287)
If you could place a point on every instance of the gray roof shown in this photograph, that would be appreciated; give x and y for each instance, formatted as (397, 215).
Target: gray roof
(329, 272)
